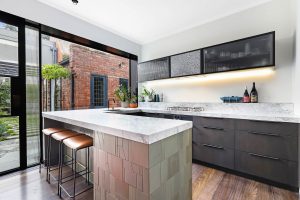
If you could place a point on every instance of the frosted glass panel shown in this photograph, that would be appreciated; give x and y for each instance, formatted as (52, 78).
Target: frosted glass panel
(32, 96)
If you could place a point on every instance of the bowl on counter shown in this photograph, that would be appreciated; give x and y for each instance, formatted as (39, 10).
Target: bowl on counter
(232, 99)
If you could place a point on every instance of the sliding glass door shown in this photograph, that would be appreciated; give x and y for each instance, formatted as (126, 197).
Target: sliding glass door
(9, 76)
(19, 95)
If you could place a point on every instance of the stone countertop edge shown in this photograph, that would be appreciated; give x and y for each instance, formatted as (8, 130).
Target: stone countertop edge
(130, 135)
(270, 117)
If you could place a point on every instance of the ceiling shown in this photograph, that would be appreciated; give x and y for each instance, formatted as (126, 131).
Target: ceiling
(144, 21)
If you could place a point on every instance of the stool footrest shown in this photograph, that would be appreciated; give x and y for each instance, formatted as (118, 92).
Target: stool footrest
(76, 194)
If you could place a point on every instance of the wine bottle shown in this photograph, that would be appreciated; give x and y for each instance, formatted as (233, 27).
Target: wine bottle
(254, 94)
(246, 97)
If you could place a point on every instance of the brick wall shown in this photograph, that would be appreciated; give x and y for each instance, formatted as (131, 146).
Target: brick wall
(85, 61)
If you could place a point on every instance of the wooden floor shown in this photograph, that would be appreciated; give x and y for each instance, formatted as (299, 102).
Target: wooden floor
(212, 184)
(208, 184)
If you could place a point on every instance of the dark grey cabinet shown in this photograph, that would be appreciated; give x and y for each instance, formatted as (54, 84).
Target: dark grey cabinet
(268, 150)
(154, 70)
(278, 170)
(213, 141)
(269, 145)
(186, 64)
(257, 51)
(268, 128)
(216, 155)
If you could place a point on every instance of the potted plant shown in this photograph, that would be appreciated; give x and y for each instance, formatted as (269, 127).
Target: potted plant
(148, 94)
(133, 102)
(122, 95)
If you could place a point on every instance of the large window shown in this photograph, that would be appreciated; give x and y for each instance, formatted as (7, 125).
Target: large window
(87, 79)
(94, 76)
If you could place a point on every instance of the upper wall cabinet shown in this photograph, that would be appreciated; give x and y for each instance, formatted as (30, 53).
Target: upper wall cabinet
(186, 64)
(252, 52)
(257, 51)
(154, 70)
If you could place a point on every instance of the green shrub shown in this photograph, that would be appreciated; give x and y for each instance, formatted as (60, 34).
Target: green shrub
(11, 132)
(3, 129)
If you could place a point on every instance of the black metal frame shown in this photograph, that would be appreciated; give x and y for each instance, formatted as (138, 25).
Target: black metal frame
(85, 42)
(202, 58)
(20, 81)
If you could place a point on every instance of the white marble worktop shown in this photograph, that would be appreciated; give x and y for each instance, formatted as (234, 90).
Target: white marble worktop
(140, 129)
(275, 112)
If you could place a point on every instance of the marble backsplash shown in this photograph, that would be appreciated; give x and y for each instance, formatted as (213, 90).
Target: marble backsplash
(228, 108)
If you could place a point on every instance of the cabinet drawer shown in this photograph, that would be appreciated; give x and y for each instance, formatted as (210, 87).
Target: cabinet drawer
(278, 170)
(283, 129)
(212, 154)
(224, 138)
(213, 123)
(268, 144)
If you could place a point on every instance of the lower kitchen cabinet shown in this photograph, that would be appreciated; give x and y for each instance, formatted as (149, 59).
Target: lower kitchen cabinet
(269, 144)
(274, 169)
(213, 154)
(267, 150)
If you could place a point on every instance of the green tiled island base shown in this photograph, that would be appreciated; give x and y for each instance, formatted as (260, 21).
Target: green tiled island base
(124, 169)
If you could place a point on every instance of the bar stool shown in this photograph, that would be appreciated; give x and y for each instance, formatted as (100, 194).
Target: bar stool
(77, 143)
(48, 132)
(60, 137)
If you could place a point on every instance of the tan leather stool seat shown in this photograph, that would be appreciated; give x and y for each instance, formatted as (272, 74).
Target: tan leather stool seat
(50, 131)
(79, 142)
(60, 136)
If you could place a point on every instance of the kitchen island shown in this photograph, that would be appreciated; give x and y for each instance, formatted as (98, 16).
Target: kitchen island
(134, 157)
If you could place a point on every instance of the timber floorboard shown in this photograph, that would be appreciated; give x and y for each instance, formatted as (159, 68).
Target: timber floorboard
(208, 184)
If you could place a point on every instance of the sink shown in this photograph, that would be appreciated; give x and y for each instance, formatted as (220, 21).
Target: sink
(113, 111)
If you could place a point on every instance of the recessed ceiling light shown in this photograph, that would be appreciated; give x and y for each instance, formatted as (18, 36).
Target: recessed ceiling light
(75, 2)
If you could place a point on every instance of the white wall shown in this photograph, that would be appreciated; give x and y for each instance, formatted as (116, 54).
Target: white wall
(38, 12)
(297, 61)
(276, 16)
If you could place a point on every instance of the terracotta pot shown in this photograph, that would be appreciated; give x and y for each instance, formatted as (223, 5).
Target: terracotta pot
(133, 105)
(124, 104)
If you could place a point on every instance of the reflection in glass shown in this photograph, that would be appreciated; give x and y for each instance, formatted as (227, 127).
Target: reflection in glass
(252, 52)
(9, 143)
(9, 50)
(5, 96)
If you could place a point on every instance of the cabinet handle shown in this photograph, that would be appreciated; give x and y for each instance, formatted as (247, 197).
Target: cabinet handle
(267, 134)
(263, 121)
(263, 156)
(214, 128)
(212, 146)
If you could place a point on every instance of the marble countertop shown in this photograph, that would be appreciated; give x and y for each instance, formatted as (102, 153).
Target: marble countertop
(140, 129)
(290, 118)
(273, 117)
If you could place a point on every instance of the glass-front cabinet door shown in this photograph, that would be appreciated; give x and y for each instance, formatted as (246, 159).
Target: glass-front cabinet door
(252, 52)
